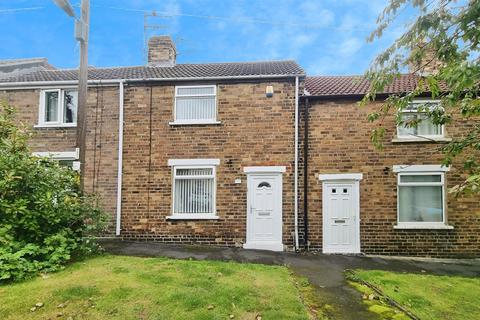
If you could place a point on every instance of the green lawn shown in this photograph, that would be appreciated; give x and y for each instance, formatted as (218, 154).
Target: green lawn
(429, 296)
(118, 287)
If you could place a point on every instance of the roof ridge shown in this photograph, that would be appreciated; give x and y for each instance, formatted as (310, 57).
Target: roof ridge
(234, 62)
(336, 76)
(349, 76)
(178, 64)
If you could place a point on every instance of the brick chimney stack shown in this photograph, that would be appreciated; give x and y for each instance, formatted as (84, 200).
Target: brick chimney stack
(161, 51)
(429, 64)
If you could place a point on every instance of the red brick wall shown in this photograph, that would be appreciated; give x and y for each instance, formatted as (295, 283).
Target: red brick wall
(254, 131)
(102, 137)
(339, 141)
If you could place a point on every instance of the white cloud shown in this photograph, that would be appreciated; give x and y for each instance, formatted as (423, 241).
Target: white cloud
(349, 47)
(313, 12)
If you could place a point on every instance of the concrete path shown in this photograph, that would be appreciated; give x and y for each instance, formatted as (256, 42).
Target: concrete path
(325, 272)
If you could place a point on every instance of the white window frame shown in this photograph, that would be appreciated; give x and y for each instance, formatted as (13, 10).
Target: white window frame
(61, 155)
(435, 137)
(419, 170)
(60, 106)
(194, 164)
(195, 121)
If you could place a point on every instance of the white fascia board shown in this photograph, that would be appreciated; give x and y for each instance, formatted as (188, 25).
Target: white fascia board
(193, 162)
(269, 169)
(421, 168)
(340, 176)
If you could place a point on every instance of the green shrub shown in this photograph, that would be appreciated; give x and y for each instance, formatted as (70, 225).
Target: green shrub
(45, 221)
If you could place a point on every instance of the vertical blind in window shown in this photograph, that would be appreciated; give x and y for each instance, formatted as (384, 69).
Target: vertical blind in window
(194, 190)
(195, 103)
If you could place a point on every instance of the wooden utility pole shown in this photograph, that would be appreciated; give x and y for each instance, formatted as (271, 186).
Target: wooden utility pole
(82, 89)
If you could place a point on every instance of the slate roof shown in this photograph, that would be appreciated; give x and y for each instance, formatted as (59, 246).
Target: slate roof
(356, 85)
(204, 70)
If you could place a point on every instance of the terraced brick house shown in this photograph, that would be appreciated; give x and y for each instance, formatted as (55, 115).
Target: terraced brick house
(217, 153)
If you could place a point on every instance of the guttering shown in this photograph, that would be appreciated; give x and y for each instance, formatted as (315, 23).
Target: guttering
(296, 166)
(120, 159)
(56, 84)
(36, 84)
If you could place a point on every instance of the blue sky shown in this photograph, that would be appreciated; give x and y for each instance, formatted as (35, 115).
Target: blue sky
(324, 36)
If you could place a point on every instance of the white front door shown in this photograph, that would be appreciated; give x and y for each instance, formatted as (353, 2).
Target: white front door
(264, 211)
(341, 217)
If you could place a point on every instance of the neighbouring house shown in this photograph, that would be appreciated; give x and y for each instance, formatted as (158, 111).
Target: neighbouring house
(16, 67)
(217, 153)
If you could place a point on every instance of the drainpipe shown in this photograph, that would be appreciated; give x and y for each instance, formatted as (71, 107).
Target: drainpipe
(296, 165)
(305, 175)
(120, 159)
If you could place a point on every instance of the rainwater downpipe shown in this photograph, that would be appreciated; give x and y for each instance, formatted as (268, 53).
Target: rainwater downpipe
(296, 167)
(305, 175)
(120, 158)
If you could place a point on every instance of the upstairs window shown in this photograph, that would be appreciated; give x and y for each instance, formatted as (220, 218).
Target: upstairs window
(425, 128)
(195, 104)
(58, 108)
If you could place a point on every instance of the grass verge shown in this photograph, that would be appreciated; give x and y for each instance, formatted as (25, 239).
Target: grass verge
(119, 287)
(429, 296)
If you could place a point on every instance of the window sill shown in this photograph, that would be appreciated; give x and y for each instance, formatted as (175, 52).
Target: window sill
(192, 123)
(418, 139)
(193, 217)
(425, 226)
(43, 126)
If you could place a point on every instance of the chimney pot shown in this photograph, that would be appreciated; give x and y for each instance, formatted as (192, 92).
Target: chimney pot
(161, 51)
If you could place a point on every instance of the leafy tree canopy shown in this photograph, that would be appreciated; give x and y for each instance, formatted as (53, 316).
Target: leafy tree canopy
(445, 33)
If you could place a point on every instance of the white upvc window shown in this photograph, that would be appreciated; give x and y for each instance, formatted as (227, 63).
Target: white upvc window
(195, 104)
(421, 196)
(58, 108)
(194, 188)
(424, 129)
(64, 158)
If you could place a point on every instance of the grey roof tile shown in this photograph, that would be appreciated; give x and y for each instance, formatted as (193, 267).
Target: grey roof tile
(204, 70)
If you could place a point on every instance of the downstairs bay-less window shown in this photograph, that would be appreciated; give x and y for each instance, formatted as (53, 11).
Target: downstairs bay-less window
(421, 197)
(195, 104)
(194, 190)
(58, 107)
(64, 158)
